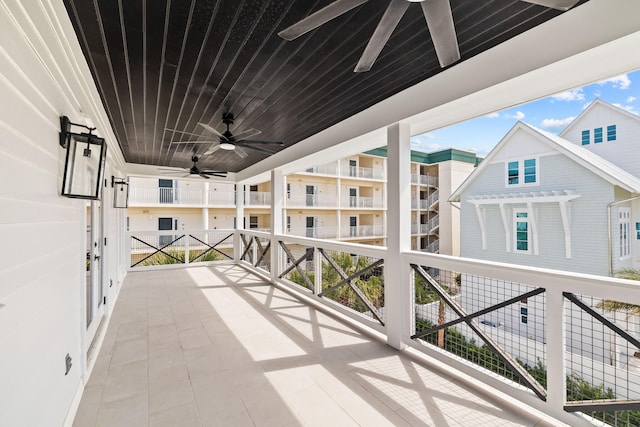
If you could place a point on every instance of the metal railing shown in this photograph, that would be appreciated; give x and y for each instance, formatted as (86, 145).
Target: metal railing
(360, 202)
(359, 172)
(362, 231)
(257, 198)
(560, 342)
(432, 223)
(159, 249)
(311, 200)
(433, 198)
(314, 232)
(159, 196)
(326, 169)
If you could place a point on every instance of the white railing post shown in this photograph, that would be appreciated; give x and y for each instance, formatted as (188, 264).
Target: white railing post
(396, 270)
(277, 219)
(237, 247)
(555, 327)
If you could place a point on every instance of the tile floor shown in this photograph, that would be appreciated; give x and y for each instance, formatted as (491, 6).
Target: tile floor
(218, 346)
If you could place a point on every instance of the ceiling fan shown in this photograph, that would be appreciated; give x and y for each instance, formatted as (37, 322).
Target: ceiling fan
(436, 12)
(229, 141)
(193, 170)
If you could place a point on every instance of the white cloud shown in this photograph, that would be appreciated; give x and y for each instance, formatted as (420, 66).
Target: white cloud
(631, 99)
(556, 123)
(621, 82)
(518, 115)
(492, 115)
(569, 95)
(424, 142)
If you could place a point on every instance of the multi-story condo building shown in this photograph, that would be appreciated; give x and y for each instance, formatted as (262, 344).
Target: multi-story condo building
(343, 200)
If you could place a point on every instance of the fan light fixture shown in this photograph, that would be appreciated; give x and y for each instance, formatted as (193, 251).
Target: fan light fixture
(84, 163)
(226, 145)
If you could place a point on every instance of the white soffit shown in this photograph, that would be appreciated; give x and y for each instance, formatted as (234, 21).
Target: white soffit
(592, 42)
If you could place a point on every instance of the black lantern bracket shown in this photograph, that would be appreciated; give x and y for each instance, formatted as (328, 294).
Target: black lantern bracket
(84, 163)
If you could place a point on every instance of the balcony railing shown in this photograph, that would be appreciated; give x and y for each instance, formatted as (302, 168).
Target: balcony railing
(326, 169)
(159, 196)
(314, 232)
(359, 172)
(550, 339)
(362, 231)
(360, 202)
(432, 247)
(311, 200)
(257, 198)
(424, 180)
(433, 198)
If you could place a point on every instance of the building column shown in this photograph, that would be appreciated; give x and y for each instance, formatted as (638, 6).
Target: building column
(277, 223)
(397, 272)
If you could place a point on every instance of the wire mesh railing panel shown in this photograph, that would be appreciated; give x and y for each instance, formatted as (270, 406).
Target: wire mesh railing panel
(210, 245)
(157, 249)
(298, 264)
(354, 281)
(602, 359)
(494, 324)
(263, 253)
(246, 248)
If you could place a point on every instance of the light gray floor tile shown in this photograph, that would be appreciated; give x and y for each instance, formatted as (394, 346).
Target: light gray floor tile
(215, 346)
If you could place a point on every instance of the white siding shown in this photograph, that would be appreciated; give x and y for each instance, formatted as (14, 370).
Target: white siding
(42, 273)
(588, 219)
(624, 151)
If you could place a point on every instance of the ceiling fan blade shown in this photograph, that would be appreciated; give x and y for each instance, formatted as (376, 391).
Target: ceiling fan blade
(278, 143)
(215, 173)
(254, 148)
(246, 134)
(442, 30)
(240, 152)
(194, 142)
(211, 150)
(212, 130)
(394, 13)
(203, 175)
(318, 18)
(555, 4)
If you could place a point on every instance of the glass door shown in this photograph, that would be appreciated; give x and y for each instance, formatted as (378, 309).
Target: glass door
(93, 265)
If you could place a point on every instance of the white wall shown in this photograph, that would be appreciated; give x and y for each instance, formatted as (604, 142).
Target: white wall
(42, 270)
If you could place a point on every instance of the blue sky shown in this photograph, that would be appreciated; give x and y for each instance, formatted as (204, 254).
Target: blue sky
(551, 114)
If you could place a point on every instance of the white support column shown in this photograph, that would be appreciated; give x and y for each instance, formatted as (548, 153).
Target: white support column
(398, 310)
(277, 223)
(237, 249)
(556, 373)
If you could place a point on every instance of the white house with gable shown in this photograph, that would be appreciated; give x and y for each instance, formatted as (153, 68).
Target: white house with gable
(569, 202)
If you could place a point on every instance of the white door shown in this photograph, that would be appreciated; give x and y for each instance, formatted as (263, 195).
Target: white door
(94, 284)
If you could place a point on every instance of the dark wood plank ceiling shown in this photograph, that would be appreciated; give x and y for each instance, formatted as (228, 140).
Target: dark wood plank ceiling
(173, 63)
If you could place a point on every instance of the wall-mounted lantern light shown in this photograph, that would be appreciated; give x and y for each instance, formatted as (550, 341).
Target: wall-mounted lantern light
(84, 162)
(120, 192)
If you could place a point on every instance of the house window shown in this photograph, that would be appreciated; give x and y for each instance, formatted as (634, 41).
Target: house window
(512, 173)
(611, 133)
(597, 135)
(530, 171)
(522, 172)
(253, 222)
(624, 223)
(586, 137)
(288, 190)
(521, 232)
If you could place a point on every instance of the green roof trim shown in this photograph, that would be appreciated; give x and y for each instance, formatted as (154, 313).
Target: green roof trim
(435, 157)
